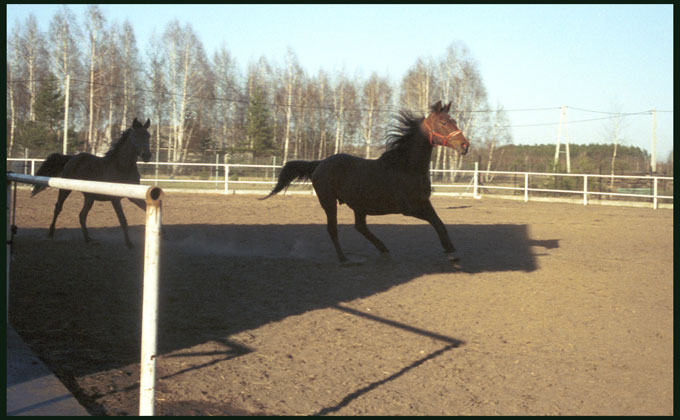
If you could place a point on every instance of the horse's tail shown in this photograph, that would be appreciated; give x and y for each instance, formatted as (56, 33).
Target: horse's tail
(52, 166)
(292, 171)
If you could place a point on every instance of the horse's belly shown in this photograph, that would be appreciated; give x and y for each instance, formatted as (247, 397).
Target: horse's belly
(371, 199)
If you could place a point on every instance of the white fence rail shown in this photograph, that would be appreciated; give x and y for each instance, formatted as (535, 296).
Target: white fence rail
(153, 196)
(652, 191)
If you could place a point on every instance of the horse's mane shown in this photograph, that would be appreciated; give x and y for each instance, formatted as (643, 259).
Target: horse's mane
(404, 132)
(119, 143)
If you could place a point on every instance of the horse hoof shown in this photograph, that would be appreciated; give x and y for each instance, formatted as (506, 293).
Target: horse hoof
(455, 262)
(350, 263)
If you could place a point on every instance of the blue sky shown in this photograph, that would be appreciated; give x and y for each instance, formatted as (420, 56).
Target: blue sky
(602, 58)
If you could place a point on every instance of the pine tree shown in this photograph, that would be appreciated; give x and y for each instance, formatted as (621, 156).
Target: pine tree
(260, 129)
(41, 136)
(49, 105)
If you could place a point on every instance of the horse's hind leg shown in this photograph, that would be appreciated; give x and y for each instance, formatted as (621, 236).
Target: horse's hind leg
(123, 221)
(63, 194)
(331, 210)
(87, 205)
(360, 225)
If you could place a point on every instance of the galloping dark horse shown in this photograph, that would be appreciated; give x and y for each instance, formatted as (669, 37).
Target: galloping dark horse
(396, 182)
(118, 165)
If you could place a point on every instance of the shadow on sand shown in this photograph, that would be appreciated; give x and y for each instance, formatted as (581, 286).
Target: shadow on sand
(78, 305)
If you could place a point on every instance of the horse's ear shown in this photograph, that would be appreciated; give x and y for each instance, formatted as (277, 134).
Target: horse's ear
(447, 107)
(135, 123)
(148, 123)
(437, 107)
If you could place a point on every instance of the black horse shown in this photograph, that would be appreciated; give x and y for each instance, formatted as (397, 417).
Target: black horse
(118, 165)
(396, 182)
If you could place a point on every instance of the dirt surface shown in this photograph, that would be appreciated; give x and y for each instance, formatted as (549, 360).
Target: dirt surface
(561, 308)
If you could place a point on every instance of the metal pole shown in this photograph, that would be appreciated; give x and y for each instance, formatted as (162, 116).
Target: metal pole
(147, 379)
(152, 195)
(9, 239)
(95, 187)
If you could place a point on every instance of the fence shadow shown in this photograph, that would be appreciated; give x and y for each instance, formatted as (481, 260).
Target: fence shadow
(79, 306)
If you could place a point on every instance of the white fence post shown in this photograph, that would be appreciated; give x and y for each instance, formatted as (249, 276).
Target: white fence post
(475, 188)
(655, 192)
(526, 187)
(226, 178)
(585, 190)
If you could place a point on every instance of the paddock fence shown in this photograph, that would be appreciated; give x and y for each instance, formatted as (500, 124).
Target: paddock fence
(153, 196)
(619, 190)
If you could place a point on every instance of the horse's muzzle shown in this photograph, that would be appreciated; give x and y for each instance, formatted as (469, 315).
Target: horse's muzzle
(146, 156)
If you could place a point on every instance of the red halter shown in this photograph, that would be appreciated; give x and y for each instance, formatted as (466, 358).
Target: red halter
(432, 132)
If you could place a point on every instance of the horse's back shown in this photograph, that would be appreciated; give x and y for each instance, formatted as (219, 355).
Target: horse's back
(365, 185)
(84, 166)
(88, 167)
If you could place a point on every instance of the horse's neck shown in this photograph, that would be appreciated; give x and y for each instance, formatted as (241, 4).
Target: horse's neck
(125, 157)
(420, 154)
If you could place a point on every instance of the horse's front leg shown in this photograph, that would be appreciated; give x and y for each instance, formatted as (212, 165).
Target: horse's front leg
(123, 221)
(426, 212)
(87, 205)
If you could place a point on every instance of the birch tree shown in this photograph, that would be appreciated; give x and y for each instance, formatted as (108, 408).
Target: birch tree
(186, 61)
(129, 73)
(94, 26)
(28, 44)
(462, 84)
(111, 76)
(321, 114)
(499, 136)
(293, 74)
(227, 92)
(12, 123)
(418, 87)
(158, 88)
(64, 34)
(344, 105)
(376, 95)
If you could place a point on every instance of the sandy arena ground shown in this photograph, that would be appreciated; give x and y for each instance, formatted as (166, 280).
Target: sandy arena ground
(562, 309)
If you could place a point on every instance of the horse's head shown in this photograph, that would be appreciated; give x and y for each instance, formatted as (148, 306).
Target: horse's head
(443, 130)
(140, 139)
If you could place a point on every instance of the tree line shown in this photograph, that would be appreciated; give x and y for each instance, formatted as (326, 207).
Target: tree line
(84, 80)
